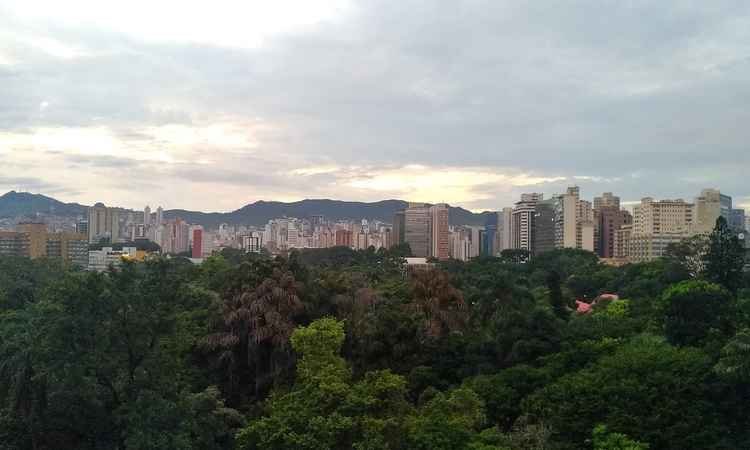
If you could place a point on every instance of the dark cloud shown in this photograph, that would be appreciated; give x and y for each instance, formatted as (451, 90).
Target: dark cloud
(640, 98)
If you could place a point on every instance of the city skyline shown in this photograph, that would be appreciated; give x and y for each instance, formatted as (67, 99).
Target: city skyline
(469, 104)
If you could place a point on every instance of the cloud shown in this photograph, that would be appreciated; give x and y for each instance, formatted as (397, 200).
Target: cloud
(471, 103)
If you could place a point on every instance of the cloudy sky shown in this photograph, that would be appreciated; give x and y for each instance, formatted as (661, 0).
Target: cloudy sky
(469, 102)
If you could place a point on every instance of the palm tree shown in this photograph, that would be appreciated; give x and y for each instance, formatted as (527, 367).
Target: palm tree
(255, 324)
(439, 302)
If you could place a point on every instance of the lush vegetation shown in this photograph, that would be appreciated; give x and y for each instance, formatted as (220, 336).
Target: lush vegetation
(337, 349)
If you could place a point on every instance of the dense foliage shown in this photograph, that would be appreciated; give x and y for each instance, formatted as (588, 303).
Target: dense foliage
(342, 349)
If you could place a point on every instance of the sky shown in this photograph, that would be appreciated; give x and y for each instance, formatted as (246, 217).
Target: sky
(213, 105)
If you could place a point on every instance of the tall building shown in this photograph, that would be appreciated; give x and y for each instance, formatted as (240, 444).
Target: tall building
(607, 200)
(147, 215)
(489, 243)
(398, 231)
(544, 227)
(159, 216)
(609, 220)
(506, 231)
(737, 220)
(175, 236)
(439, 231)
(417, 218)
(197, 243)
(709, 206)
(574, 221)
(656, 224)
(82, 227)
(460, 243)
(343, 238)
(104, 223)
(522, 224)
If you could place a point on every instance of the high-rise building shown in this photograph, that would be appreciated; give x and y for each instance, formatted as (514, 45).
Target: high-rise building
(398, 231)
(709, 206)
(656, 225)
(574, 221)
(159, 216)
(82, 227)
(544, 226)
(506, 231)
(522, 225)
(197, 243)
(609, 219)
(460, 243)
(343, 238)
(439, 231)
(147, 215)
(253, 242)
(104, 223)
(417, 234)
(737, 220)
(607, 200)
(489, 244)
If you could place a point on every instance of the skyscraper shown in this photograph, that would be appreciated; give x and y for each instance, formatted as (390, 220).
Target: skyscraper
(147, 215)
(544, 227)
(398, 231)
(417, 229)
(506, 231)
(523, 217)
(104, 223)
(709, 206)
(439, 231)
(197, 243)
(159, 216)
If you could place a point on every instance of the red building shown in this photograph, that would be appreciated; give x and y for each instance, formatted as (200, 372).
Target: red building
(197, 243)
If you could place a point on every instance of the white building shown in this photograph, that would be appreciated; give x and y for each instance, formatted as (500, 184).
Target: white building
(101, 260)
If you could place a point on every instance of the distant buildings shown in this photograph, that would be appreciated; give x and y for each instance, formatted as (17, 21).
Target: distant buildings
(32, 240)
(101, 260)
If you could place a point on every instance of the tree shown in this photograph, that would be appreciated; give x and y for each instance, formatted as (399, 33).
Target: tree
(689, 255)
(735, 358)
(695, 310)
(605, 440)
(556, 295)
(325, 409)
(438, 302)
(725, 257)
(255, 326)
(646, 388)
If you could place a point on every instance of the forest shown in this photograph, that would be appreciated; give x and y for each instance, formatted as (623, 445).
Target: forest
(342, 349)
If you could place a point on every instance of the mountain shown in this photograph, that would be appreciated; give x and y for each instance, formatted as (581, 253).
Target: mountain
(260, 212)
(15, 204)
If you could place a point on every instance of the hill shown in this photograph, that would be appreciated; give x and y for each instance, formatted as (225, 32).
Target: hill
(14, 204)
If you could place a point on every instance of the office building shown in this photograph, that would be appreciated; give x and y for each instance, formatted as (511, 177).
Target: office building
(398, 230)
(72, 248)
(147, 215)
(14, 243)
(544, 227)
(37, 235)
(343, 238)
(417, 218)
(439, 231)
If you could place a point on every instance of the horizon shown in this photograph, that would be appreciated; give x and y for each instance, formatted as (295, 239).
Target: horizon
(468, 104)
(625, 204)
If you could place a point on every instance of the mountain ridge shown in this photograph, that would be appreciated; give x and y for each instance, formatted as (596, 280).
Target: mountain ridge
(14, 204)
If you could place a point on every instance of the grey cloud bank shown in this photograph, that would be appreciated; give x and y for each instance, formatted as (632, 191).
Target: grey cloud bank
(641, 98)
